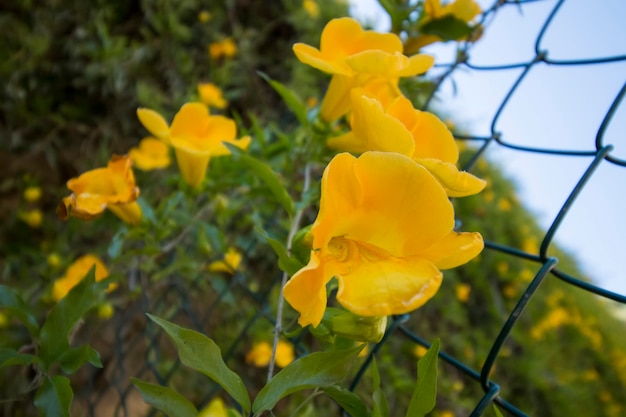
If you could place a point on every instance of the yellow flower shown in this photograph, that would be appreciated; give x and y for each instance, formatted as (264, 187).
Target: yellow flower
(463, 291)
(357, 58)
(504, 204)
(195, 135)
(76, 272)
(54, 260)
(420, 350)
(411, 132)
(215, 408)
(32, 194)
(33, 218)
(204, 16)
(112, 187)
(211, 95)
(384, 230)
(151, 154)
(261, 353)
(464, 10)
(231, 262)
(225, 48)
(311, 7)
(105, 311)
(4, 320)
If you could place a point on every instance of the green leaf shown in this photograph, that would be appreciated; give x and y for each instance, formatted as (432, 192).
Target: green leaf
(348, 400)
(54, 397)
(202, 354)
(286, 263)
(320, 369)
(425, 393)
(165, 399)
(381, 408)
(10, 357)
(11, 301)
(73, 358)
(267, 175)
(289, 97)
(448, 28)
(64, 316)
(496, 411)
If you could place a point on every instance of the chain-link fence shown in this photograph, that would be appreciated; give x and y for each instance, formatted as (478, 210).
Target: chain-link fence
(132, 348)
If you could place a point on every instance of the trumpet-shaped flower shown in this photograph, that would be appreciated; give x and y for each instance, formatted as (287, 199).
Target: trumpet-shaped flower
(211, 95)
(76, 272)
(94, 191)
(414, 133)
(195, 135)
(151, 154)
(384, 230)
(357, 58)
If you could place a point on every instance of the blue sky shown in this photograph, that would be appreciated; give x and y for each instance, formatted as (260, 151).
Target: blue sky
(557, 107)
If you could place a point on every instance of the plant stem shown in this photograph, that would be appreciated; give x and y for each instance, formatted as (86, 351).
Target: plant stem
(295, 225)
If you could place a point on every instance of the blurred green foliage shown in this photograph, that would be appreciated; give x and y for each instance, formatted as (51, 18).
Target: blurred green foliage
(74, 75)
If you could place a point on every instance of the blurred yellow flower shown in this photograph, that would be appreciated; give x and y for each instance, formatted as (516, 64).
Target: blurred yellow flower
(54, 260)
(462, 291)
(211, 95)
(32, 194)
(403, 129)
(311, 102)
(504, 204)
(261, 353)
(4, 320)
(32, 218)
(204, 16)
(195, 135)
(215, 408)
(225, 48)
(464, 10)
(151, 154)
(94, 191)
(509, 291)
(420, 350)
(385, 247)
(231, 262)
(488, 196)
(530, 245)
(311, 7)
(446, 413)
(105, 311)
(358, 58)
(76, 272)
(502, 267)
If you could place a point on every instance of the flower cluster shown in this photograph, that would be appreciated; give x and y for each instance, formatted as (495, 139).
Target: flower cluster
(385, 227)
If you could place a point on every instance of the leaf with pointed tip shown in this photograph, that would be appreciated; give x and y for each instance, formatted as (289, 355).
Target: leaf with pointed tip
(289, 97)
(425, 393)
(165, 399)
(202, 354)
(348, 400)
(317, 370)
(54, 397)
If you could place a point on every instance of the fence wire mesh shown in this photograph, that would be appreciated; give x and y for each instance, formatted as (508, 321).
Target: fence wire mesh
(135, 348)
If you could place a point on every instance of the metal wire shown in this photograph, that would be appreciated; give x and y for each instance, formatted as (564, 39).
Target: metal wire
(150, 341)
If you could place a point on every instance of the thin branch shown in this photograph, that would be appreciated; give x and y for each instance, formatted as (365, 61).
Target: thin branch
(295, 225)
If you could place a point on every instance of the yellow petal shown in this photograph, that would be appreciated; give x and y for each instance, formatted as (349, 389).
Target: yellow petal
(284, 353)
(85, 206)
(417, 64)
(151, 154)
(76, 272)
(456, 183)
(382, 285)
(313, 57)
(465, 10)
(336, 101)
(190, 122)
(454, 249)
(376, 62)
(306, 290)
(215, 408)
(155, 123)
(211, 95)
(192, 165)
(373, 130)
(403, 208)
(432, 137)
(130, 213)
